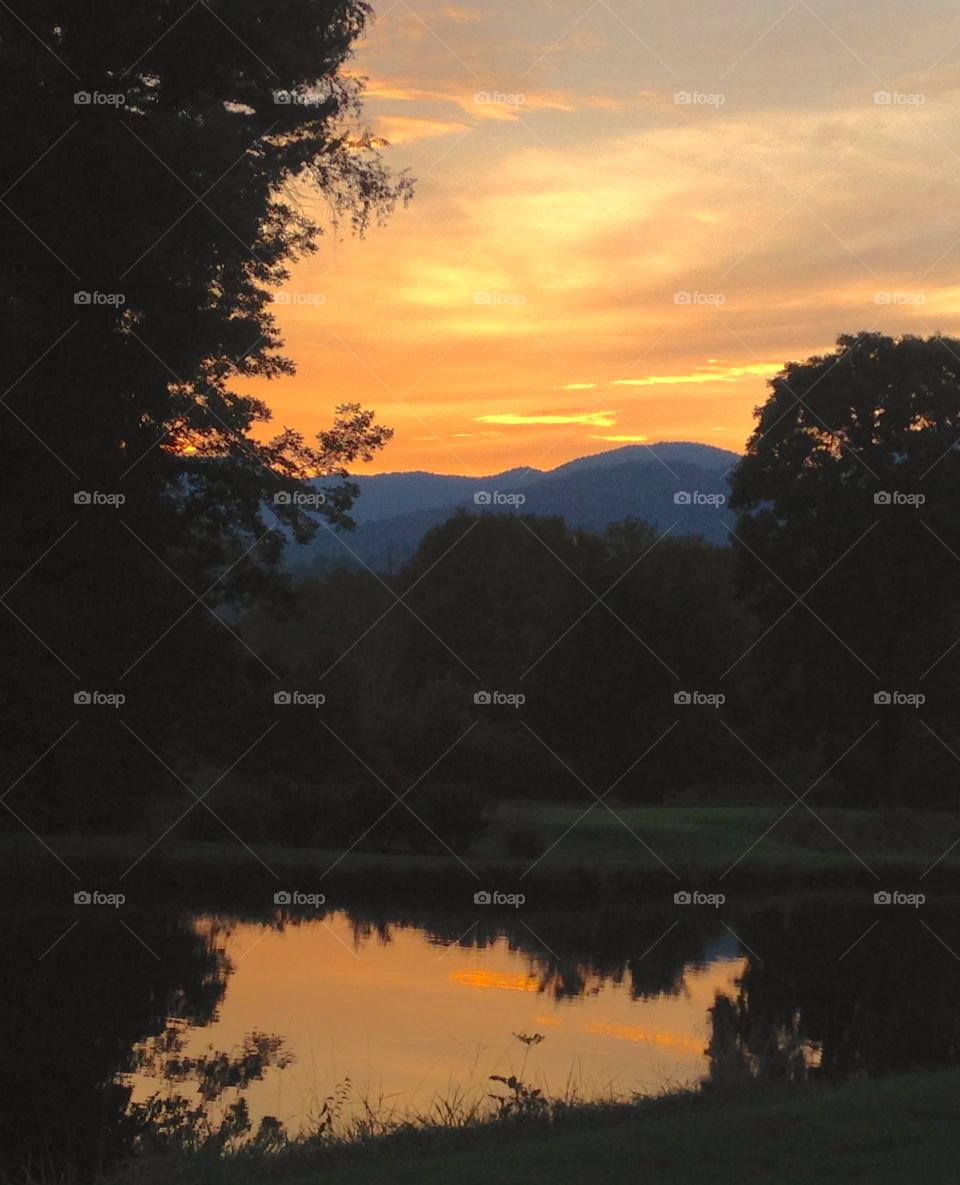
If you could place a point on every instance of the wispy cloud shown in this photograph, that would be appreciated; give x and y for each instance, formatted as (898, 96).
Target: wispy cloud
(729, 374)
(785, 211)
(405, 129)
(593, 419)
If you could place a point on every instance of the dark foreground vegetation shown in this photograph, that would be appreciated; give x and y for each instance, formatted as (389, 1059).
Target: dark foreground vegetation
(884, 1131)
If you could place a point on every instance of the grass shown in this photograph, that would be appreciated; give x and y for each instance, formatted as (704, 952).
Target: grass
(628, 848)
(884, 1131)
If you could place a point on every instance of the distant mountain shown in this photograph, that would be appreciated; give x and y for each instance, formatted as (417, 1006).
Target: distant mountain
(395, 510)
(385, 495)
(666, 453)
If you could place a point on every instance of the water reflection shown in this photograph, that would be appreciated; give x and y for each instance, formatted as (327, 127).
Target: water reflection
(70, 1019)
(409, 1016)
(410, 1006)
(838, 992)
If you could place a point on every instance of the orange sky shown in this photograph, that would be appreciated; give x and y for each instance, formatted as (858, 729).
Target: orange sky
(591, 260)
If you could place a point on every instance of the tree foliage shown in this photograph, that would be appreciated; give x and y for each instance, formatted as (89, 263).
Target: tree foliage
(163, 162)
(849, 499)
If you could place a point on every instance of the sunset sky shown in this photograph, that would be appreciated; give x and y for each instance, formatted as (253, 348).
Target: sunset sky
(591, 261)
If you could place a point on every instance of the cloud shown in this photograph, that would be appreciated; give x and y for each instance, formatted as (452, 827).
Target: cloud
(405, 129)
(462, 16)
(592, 419)
(728, 374)
(599, 202)
(486, 103)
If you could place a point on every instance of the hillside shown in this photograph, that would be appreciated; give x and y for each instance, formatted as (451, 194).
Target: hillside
(395, 510)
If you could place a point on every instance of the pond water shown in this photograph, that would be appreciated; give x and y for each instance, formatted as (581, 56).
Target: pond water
(409, 1019)
(102, 1011)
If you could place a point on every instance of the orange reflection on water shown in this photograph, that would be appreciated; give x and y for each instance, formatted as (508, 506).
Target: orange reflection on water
(479, 978)
(410, 1020)
(662, 1037)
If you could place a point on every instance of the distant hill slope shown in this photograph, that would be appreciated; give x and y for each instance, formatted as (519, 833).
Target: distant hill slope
(395, 510)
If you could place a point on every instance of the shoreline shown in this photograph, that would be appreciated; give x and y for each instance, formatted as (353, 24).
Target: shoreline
(186, 867)
(884, 1130)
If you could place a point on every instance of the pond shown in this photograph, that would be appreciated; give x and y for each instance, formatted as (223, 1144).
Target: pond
(400, 1011)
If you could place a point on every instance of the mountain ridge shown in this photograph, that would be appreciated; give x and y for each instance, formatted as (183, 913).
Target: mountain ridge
(395, 510)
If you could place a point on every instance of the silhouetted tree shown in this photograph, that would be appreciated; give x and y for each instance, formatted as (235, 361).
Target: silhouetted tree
(155, 158)
(849, 498)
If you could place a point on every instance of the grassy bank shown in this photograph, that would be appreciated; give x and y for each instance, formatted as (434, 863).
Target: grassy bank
(548, 850)
(884, 1132)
